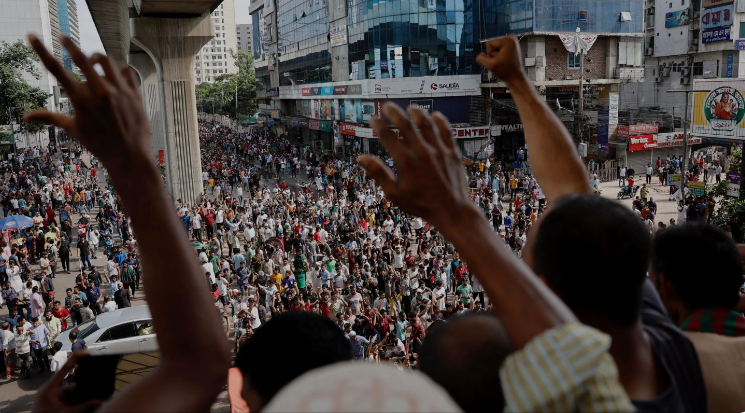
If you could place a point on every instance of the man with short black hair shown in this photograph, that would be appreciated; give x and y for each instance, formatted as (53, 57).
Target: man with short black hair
(323, 344)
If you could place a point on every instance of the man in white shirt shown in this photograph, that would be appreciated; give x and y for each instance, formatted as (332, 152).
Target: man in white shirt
(59, 359)
(440, 295)
(109, 305)
(196, 226)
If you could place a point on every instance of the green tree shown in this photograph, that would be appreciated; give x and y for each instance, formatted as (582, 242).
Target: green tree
(16, 96)
(219, 97)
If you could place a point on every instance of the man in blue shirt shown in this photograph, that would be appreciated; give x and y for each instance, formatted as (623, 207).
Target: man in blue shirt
(358, 344)
(39, 342)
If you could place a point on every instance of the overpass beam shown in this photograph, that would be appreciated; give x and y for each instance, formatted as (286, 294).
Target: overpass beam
(172, 44)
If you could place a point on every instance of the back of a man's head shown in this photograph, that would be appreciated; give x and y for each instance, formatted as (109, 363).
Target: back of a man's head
(593, 252)
(711, 277)
(285, 348)
(464, 356)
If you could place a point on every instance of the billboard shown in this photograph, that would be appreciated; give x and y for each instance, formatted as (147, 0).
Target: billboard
(677, 18)
(719, 109)
(642, 142)
(716, 17)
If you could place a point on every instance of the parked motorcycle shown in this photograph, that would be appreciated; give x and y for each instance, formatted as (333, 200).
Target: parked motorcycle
(627, 191)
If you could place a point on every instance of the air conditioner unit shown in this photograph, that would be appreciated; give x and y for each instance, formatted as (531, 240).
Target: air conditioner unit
(650, 51)
(685, 81)
(582, 149)
(666, 72)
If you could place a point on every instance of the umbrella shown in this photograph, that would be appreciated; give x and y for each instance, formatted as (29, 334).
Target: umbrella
(16, 222)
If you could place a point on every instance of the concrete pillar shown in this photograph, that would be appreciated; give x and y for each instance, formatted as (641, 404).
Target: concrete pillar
(145, 67)
(537, 52)
(611, 58)
(172, 44)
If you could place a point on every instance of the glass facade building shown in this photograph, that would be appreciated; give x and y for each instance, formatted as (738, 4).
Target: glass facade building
(412, 38)
(67, 19)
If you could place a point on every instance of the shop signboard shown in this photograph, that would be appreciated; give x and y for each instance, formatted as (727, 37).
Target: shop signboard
(438, 85)
(740, 44)
(667, 140)
(340, 90)
(327, 90)
(624, 131)
(717, 17)
(676, 179)
(306, 91)
(714, 3)
(315, 91)
(325, 126)
(719, 109)
(313, 124)
(733, 188)
(354, 90)
(677, 18)
(398, 88)
(697, 188)
(426, 105)
(348, 129)
(603, 127)
(272, 91)
(716, 35)
(642, 142)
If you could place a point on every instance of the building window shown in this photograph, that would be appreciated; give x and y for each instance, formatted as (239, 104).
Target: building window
(698, 68)
(742, 30)
(574, 61)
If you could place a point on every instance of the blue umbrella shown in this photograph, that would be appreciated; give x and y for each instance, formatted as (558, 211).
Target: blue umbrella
(16, 222)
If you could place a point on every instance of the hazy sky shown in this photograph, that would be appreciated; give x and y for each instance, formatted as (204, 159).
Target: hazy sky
(91, 43)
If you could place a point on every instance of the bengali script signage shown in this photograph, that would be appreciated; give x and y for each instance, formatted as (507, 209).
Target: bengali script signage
(313, 124)
(624, 131)
(717, 17)
(348, 129)
(716, 35)
(666, 140)
(733, 188)
(714, 3)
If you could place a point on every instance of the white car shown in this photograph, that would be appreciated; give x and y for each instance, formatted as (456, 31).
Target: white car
(125, 331)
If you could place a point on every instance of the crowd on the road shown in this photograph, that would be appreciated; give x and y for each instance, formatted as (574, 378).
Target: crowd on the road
(55, 191)
(369, 263)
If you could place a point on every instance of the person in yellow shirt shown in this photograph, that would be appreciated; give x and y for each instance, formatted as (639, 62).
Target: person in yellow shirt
(513, 187)
(277, 279)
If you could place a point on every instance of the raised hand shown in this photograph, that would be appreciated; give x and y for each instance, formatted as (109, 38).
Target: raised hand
(503, 58)
(109, 117)
(431, 180)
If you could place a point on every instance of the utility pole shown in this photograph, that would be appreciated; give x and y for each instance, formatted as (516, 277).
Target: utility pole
(684, 163)
(581, 91)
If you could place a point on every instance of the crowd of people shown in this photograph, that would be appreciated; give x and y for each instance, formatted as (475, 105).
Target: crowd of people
(397, 261)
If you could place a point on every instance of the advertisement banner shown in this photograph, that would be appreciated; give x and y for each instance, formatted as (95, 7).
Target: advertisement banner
(313, 124)
(675, 179)
(161, 157)
(733, 188)
(327, 90)
(578, 43)
(719, 113)
(697, 188)
(642, 142)
(716, 17)
(399, 88)
(740, 44)
(667, 140)
(315, 91)
(340, 90)
(306, 91)
(603, 127)
(426, 105)
(677, 18)
(714, 3)
(716, 35)
(354, 90)
(272, 91)
(338, 35)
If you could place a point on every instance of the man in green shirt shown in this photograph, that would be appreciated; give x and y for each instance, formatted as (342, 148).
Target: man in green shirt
(465, 291)
(215, 260)
(128, 277)
(300, 267)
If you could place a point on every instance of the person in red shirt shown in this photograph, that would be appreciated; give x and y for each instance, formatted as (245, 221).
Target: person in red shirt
(631, 183)
(323, 305)
(417, 332)
(93, 171)
(61, 313)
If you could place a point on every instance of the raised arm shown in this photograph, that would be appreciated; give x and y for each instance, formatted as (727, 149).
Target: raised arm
(553, 155)
(110, 122)
(431, 176)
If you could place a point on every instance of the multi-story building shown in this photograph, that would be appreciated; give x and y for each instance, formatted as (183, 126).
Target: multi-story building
(328, 66)
(18, 18)
(68, 25)
(684, 40)
(245, 38)
(215, 58)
